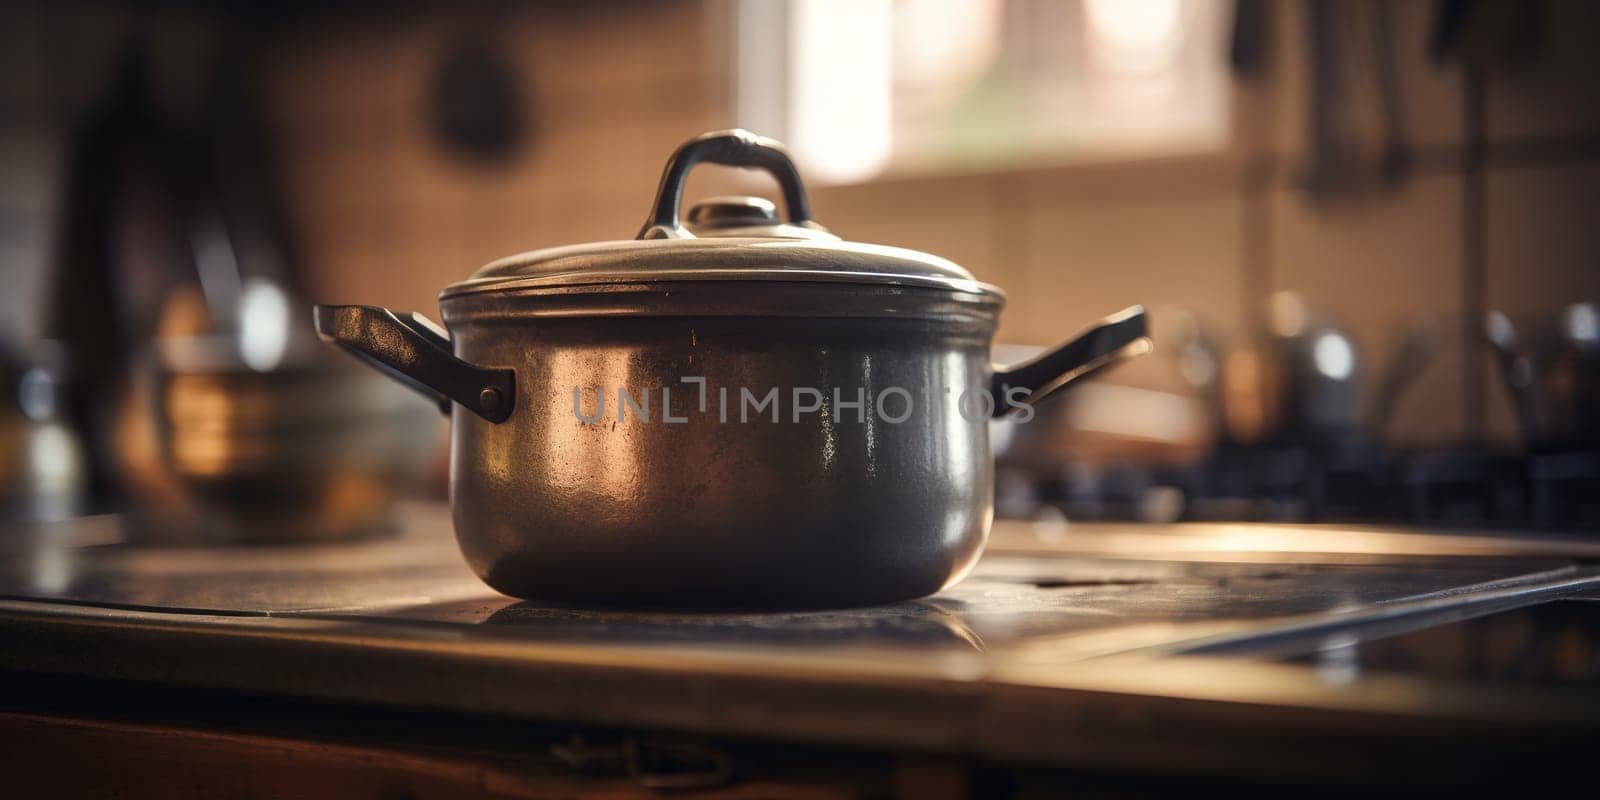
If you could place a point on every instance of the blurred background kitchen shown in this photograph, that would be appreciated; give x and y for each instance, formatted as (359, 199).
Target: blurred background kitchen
(1368, 232)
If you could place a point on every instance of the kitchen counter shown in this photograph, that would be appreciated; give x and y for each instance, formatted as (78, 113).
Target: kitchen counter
(1231, 649)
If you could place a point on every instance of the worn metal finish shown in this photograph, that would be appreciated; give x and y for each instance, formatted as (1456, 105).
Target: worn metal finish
(750, 414)
(730, 506)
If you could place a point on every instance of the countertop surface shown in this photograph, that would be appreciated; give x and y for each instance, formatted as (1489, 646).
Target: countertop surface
(1068, 641)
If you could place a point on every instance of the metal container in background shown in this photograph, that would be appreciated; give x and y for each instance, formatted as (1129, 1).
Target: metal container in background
(217, 445)
(1550, 370)
(43, 467)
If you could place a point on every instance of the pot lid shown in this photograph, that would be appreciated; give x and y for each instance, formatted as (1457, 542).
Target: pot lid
(725, 239)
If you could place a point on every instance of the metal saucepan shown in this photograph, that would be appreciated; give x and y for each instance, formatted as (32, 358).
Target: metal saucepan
(213, 450)
(736, 412)
(1551, 371)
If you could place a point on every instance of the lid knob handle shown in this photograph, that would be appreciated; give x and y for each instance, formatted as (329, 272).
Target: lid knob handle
(733, 212)
(733, 148)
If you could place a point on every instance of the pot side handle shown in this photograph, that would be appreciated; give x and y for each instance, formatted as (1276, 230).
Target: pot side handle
(415, 351)
(1114, 339)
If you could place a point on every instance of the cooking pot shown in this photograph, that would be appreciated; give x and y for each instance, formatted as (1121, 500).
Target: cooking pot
(735, 411)
(212, 450)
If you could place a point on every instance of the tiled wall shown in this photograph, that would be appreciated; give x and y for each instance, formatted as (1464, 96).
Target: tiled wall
(614, 87)
(389, 217)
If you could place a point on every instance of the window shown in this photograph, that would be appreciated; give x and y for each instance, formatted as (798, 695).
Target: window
(863, 87)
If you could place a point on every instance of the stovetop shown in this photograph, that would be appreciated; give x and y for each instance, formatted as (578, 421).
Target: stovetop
(1477, 487)
(1059, 625)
